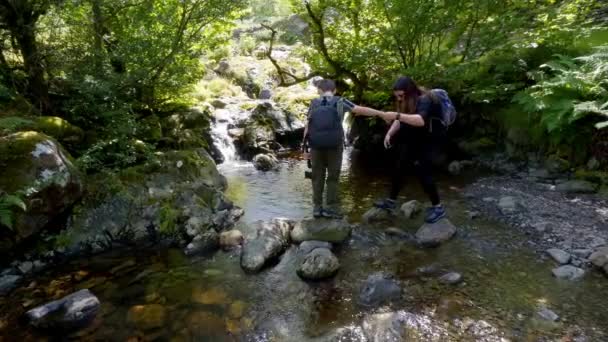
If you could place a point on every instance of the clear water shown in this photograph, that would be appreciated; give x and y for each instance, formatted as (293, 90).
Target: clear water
(202, 298)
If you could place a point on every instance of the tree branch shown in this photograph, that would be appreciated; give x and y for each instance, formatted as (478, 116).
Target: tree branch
(283, 82)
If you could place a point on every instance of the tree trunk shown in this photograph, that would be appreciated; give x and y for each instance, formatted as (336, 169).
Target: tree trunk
(99, 32)
(37, 87)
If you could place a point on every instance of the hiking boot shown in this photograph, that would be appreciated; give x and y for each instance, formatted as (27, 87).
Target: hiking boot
(317, 213)
(387, 203)
(434, 214)
(332, 214)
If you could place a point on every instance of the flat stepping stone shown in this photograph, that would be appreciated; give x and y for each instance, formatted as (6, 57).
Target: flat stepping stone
(434, 234)
(328, 230)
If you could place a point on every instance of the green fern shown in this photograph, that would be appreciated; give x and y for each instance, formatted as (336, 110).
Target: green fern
(8, 203)
(567, 91)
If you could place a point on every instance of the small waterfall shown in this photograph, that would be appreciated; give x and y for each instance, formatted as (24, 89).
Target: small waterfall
(223, 142)
(221, 138)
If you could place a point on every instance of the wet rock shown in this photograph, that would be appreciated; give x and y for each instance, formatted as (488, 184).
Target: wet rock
(237, 309)
(455, 168)
(231, 238)
(320, 263)
(329, 230)
(26, 267)
(8, 283)
(547, 315)
(543, 226)
(38, 163)
(72, 312)
(214, 296)
(472, 214)
(402, 326)
(451, 278)
(270, 240)
(397, 232)
(560, 256)
(557, 165)
(411, 208)
(265, 94)
(308, 246)
(379, 289)
(196, 225)
(582, 253)
(568, 272)
(433, 234)
(202, 324)
(265, 162)
(378, 215)
(507, 205)
(599, 258)
(219, 103)
(593, 164)
(146, 317)
(577, 187)
(207, 242)
(236, 133)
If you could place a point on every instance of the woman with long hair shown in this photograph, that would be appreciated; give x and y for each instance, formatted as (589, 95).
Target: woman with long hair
(410, 132)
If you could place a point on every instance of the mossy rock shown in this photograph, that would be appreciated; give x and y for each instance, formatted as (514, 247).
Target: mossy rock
(555, 164)
(598, 177)
(37, 166)
(475, 147)
(53, 126)
(150, 129)
(154, 198)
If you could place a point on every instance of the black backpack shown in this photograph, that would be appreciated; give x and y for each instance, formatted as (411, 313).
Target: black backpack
(324, 123)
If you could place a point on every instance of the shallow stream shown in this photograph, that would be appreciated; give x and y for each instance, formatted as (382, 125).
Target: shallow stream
(212, 299)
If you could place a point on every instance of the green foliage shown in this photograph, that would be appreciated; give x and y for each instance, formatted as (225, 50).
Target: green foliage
(168, 220)
(9, 203)
(114, 154)
(246, 45)
(215, 88)
(571, 95)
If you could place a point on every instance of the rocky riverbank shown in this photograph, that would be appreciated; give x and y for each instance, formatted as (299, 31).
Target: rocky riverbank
(563, 223)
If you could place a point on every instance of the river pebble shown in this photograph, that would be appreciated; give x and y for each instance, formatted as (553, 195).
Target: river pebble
(451, 278)
(558, 255)
(568, 272)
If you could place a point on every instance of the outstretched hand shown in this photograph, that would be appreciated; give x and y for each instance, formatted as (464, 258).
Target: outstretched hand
(387, 141)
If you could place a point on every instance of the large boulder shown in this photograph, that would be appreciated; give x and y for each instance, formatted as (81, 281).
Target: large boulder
(577, 187)
(379, 289)
(8, 283)
(329, 230)
(318, 264)
(434, 234)
(402, 326)
(178, 195)
(270, 240)
(599, 258)
(52, 126)
(265, 162)
(36, 165)
(72, 312)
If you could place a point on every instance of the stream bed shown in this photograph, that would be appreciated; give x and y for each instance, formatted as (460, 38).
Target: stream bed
(162, 295)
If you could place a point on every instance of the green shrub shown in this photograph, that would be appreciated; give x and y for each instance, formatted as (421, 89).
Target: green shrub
(570, 97)
(246, 45)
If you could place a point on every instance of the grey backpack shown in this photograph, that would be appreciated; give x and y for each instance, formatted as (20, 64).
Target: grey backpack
(325, 124)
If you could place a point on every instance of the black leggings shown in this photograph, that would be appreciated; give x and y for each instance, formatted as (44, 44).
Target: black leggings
(420, 158)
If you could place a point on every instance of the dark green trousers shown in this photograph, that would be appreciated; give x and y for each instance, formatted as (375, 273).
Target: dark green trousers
(326, 167)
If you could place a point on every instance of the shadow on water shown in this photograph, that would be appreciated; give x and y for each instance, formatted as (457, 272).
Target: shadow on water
(162, 295)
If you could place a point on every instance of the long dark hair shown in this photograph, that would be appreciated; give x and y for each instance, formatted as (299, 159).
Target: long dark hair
(412, 93)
